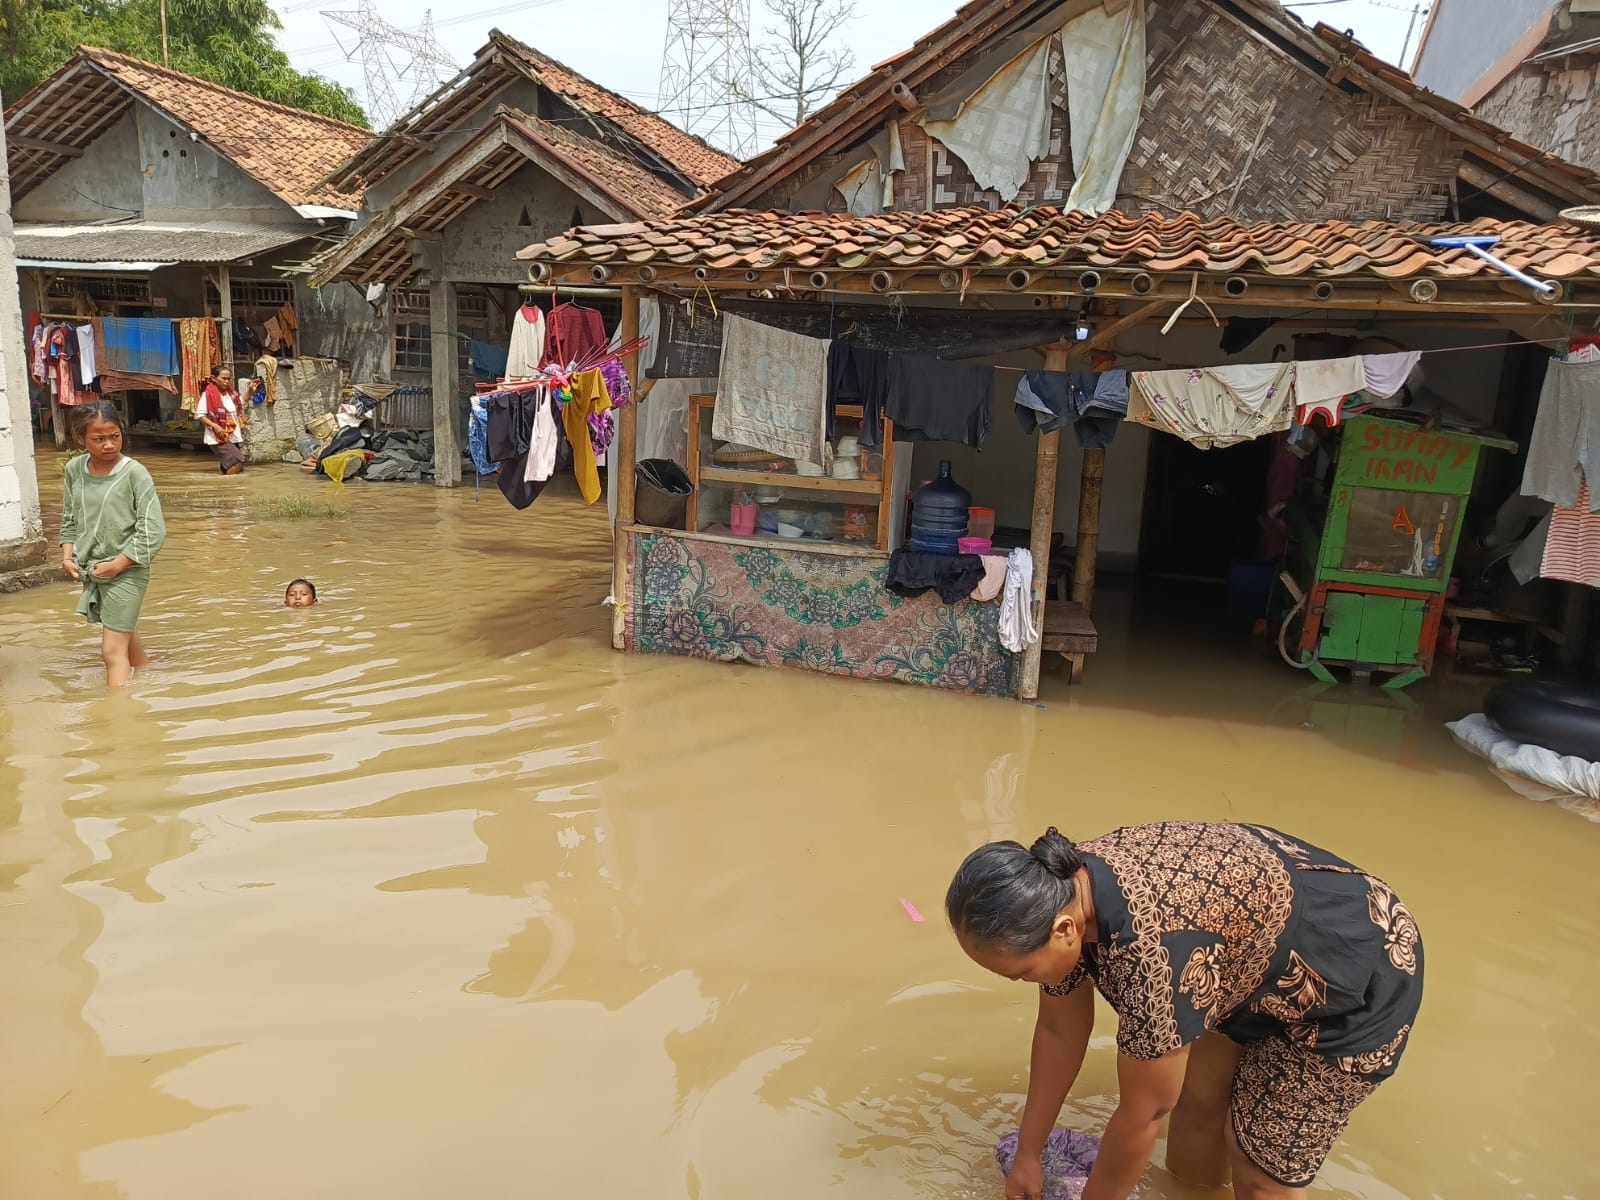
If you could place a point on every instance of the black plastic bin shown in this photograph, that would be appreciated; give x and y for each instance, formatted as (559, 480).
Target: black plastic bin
(661, 493)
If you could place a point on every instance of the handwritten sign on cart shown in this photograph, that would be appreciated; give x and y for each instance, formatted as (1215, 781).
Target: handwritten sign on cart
(1393, 455)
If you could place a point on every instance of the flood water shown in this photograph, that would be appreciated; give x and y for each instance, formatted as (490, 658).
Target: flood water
(425, 892)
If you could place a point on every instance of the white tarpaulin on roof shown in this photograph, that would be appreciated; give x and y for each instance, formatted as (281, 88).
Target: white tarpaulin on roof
(1004, 126)
(1104, 56)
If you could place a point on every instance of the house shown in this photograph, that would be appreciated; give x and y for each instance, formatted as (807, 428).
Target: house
(139, 191)
(515, 148)
(1529, 66)
(1246, 169)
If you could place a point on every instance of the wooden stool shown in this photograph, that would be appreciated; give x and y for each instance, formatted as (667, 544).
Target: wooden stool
(1069, 632)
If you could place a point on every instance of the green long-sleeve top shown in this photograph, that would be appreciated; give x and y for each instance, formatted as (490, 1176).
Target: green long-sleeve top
(103, 516)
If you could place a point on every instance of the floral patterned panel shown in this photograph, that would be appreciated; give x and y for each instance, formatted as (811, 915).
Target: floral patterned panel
(816, 611)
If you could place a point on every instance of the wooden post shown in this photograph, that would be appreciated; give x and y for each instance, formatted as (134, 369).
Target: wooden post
(1088, 548)
(446, 405)
(1046, 465)
(624, 453)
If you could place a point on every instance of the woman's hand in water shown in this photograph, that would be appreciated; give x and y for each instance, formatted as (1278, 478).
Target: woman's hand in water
(1026, 1181)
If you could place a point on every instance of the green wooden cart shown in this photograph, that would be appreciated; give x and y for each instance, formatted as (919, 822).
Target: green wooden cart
(1376, 577)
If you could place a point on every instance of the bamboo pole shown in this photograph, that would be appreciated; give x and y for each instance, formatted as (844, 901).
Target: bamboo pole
(624, 452)
(1046, 466)
(1088, 548)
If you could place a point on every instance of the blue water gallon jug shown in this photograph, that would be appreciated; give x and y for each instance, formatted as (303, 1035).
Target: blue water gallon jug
(939, 514)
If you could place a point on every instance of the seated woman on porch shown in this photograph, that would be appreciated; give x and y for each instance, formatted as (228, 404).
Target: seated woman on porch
(1263, 989)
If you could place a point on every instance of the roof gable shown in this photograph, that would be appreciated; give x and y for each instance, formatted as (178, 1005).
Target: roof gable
(286, 150)
(860, 110)
(617, 186)
(504, 59)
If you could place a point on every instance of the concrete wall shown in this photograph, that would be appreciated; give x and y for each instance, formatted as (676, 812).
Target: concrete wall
(337, 322)
(102, 185)
(1553, 108)
(1468, 37)
(144, 165)
(482, 246)
(21, 530)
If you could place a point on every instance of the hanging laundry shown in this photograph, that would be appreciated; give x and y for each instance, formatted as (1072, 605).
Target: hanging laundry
(857, 375)
(546, 441)
(773, 389)
(1003, 128)
(574, 334)
(508, 425)
(1386, 374)
(140, 346)
(201, 350)
(933, 400)
(1017, 630)
(1572, 549)
(478, 437)
(616, 377)
(953, 576)
(1583, 350)
(38, 359)
(1565, 448)
(87, 371)
(590, 403)
(114, 381)
(1215, 407)
(61, 348)
(993, 585)
(1327, 380)
(267, 372)
(525, 356)
(1095, 402)
(1104, 61)
(486, 359)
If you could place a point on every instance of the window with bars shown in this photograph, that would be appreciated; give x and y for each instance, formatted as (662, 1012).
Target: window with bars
(105, 289)
(413, 332)
(253, 293)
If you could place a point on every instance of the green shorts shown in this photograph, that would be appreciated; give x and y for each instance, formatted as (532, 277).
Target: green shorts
(114, 603)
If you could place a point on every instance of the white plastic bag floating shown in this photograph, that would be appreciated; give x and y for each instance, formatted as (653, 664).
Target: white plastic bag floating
(1533, 771)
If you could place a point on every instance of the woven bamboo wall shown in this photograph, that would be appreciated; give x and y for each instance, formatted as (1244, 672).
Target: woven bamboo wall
(1213, 89)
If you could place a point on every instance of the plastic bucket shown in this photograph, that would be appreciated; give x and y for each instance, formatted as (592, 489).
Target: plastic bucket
(975, 545)
(661, 493)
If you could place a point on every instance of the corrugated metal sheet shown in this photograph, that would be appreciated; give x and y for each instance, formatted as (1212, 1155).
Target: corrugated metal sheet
(151, 241)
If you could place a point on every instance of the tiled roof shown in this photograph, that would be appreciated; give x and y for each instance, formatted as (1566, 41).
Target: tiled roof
(863, 106)
(155, 241)
(703, 164)
(1040, 238)
(503, 61)
(380, 252)
(286, 150)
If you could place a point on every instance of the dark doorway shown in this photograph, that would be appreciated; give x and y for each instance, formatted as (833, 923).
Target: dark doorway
(1202, 508)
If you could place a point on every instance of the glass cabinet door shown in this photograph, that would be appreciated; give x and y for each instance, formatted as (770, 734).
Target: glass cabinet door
(742, 491)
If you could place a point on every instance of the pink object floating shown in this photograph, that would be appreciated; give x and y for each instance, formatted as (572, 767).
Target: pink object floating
(911, 910)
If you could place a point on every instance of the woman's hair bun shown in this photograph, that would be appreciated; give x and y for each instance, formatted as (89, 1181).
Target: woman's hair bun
(1056, 853)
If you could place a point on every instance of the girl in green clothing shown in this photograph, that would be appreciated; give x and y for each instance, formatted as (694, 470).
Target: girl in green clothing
(111, 528)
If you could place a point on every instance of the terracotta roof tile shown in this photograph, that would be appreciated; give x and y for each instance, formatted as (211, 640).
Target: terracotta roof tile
(644, 194)
(682, 150)
(1050, 237)
(287, 150)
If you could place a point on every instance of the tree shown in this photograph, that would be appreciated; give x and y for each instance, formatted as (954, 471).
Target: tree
(229, 42)
(797, 66)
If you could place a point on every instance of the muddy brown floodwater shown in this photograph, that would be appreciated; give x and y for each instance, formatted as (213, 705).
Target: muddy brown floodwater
(425, 892)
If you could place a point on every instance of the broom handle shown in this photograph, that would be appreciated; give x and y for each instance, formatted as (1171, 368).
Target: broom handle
(1538, 285)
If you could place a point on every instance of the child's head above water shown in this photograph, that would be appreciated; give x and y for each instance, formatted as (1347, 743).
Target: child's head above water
(302, 593)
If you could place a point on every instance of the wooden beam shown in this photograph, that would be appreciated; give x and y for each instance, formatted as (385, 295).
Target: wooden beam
(1046, 466)
(446, 406)
(624, 453)
(40, 145)
(472, 190)
(1088, 549)
(1506, 191)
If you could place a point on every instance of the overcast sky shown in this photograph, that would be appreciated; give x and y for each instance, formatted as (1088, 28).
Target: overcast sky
(619, 42)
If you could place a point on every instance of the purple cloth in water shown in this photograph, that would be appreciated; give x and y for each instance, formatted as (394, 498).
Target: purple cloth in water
(1068, 1158)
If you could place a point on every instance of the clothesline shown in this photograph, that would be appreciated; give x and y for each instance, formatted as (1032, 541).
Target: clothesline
(1555, 341)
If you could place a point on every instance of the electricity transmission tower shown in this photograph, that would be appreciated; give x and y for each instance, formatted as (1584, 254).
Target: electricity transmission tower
(390, 54)
(708, 75)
